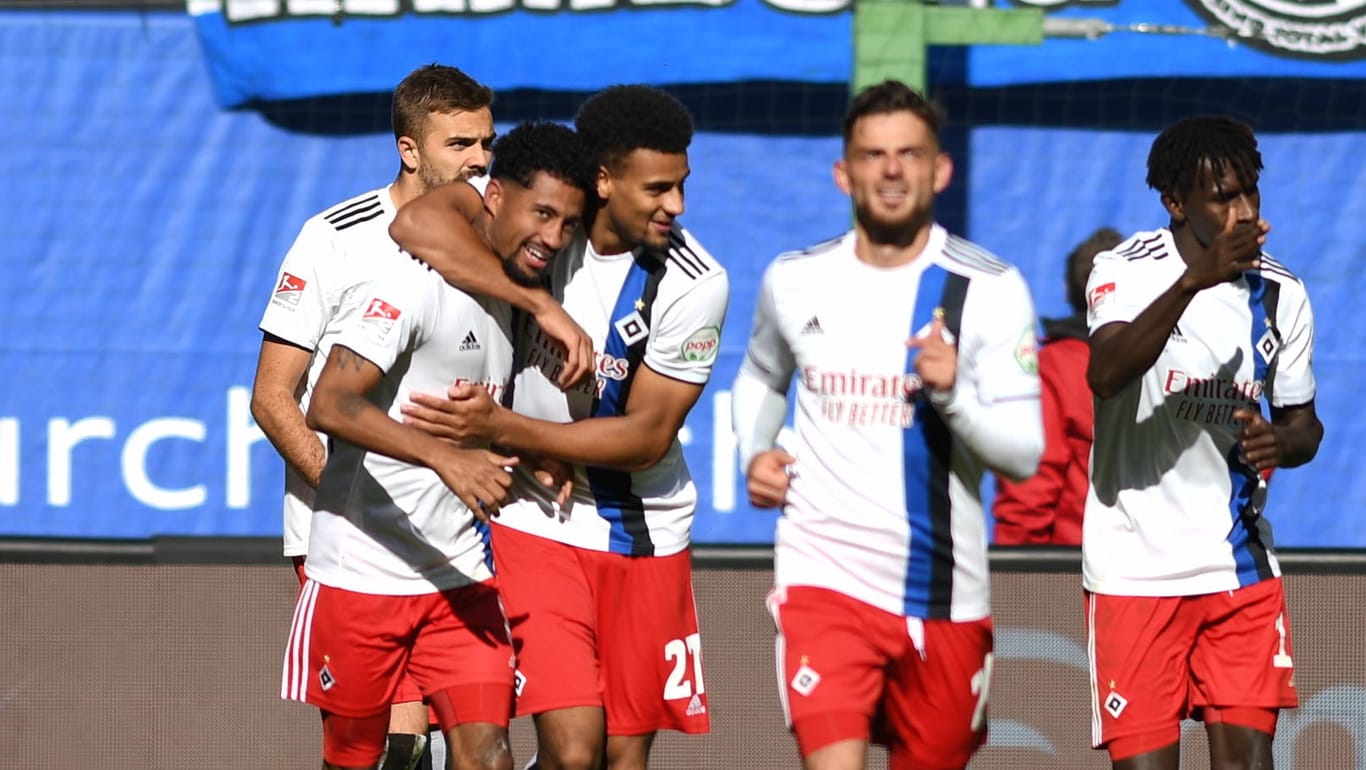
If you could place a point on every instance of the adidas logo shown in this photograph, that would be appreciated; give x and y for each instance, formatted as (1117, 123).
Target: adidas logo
(470, 342)
(695, 707)
(813, 326)
(1176, 335)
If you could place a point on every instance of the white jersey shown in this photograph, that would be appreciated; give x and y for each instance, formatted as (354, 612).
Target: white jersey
(1172, 510)
(884, 503)
(662, 310)
(334, 252)
(382, 526)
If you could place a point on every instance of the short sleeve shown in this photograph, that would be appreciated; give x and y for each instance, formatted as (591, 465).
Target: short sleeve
(769, 355)
(392, 313)
(1002, 342)
(687, 333)
(299, 309)
(1113, 292)
(1294, 378)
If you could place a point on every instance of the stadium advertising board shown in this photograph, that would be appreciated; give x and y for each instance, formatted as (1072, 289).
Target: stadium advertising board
(138, 260)
(284, 49)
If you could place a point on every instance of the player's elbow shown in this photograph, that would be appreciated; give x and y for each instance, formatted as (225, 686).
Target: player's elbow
(268, 403)
(323, 411)
(403, 229)
(1023, 461)
(647, 454)
(259, 411)
(1096, 380)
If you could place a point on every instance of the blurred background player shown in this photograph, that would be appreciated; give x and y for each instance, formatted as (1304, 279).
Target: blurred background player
(399, 575)
(914, 353)
(1191, 326)
(600, 591)
(1046, 508)
(443, 130)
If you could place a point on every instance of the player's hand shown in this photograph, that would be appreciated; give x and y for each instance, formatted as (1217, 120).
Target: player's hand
(937, 359)
(555, 475)
(1235, 248)
(1257, 444)
(466, 416)
(768, 477)
(574, 344)
(478, 477)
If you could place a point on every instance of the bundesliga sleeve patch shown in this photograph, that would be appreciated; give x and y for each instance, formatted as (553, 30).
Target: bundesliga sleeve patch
(379, 317)
(1027, 351)
(1100, 295)
(701, 346)
(382, 310)
(289, 290)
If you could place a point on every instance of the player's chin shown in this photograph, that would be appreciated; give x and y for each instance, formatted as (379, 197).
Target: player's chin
(656, 234)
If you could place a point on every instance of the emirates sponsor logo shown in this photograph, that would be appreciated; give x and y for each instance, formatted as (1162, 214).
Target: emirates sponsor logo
(1212, 388)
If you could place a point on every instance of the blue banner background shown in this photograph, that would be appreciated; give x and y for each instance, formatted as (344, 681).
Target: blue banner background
(145, 225)
(667, 43)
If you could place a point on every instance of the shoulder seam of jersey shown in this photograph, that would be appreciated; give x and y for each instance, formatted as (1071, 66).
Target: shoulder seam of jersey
(1143, 248)
(966, 253)
(1274, 267)
(691, 263)
(353, 222)
(361, 210)
(823, 247)
(342, 208)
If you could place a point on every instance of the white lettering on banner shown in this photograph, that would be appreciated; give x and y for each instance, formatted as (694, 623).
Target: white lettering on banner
(62, 437)
(1058, 3)
(238, 438)
(236, 11)
(133, 462)
(1327, 29)
(9, 461)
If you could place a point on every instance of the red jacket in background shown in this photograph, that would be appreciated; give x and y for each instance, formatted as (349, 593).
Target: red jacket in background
(1047, 507)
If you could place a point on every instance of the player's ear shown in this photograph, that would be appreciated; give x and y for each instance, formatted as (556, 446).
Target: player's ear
(842, 176)
(1174, 207)
(943, 172)
(603, 183)
(493, 196)
(408, 153)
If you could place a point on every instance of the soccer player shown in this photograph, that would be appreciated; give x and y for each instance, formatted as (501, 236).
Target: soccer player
(443, 131)
(599, 590)
(1192, 327)
(914, 352)
(1046, 508)
(398, 574)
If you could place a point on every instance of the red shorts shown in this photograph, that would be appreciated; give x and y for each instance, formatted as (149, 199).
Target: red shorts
(849, 670)
(1223, 657)
(347, 652)
(593, 628)
(408, 691)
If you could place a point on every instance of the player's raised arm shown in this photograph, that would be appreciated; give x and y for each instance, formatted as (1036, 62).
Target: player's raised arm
(435, 227)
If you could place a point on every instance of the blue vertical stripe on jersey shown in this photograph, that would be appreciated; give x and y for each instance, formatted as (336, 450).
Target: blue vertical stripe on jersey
(925, 466)
(612, 489)
(1246, 535)
(485, 537)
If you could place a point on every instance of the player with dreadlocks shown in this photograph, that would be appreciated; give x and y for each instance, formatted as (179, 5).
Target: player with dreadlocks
(1192, 327)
